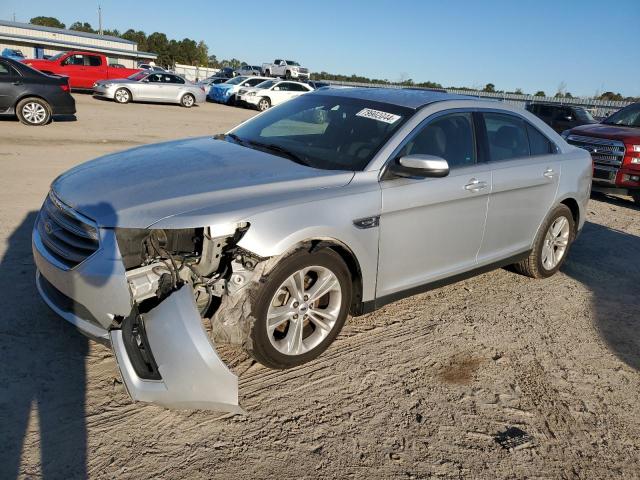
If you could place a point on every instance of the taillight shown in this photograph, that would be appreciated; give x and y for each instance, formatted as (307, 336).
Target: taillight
(64, 88)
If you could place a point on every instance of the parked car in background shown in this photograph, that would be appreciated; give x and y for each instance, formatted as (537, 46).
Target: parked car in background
(286, 69)
(152, 68)
(82, 68)
(316, 84)
(226, 92)
(33, 96)
(278, 230)
(226, 72)
(249, 70)
(151, 87)
(13, 54)
(614, 145)
(272, 92)
(561, 117)
(207, 83)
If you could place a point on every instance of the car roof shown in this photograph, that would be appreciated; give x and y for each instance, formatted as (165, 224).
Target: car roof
(403, 97)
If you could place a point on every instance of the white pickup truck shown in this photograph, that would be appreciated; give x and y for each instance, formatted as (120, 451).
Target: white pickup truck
(285, 68)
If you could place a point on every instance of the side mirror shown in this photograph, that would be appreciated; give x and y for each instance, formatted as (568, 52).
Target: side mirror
(421, 166)
(146, 80)
(568, 118)
(276, 88)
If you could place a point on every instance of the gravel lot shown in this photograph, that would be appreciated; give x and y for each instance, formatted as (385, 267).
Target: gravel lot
(416, 390)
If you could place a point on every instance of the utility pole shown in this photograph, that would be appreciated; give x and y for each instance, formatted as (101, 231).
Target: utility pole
(100, 20)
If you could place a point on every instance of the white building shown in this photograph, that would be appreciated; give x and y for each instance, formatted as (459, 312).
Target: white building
(35, 42)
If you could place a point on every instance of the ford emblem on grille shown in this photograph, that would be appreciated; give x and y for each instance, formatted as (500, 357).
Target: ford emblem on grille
(48, 228)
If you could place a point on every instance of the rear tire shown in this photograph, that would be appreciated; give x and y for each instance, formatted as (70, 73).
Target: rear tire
(264, 104)
(34, 112)
(187, 100)
(636, 197)
(551, 246)
(301, 325)
(122, 95)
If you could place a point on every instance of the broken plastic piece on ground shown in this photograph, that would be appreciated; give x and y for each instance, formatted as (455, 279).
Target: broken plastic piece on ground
(192, 375)
(513, 439)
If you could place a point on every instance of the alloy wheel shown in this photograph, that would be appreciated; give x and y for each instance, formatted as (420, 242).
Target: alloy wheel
(122, 96)
(187, 101)
(34, 112)
(555, 243)
(304, 310)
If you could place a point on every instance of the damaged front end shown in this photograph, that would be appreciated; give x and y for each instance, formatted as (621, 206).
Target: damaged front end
(176, 278)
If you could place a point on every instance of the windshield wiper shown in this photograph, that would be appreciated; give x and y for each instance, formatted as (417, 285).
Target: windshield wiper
(233, 136)
(279, 150)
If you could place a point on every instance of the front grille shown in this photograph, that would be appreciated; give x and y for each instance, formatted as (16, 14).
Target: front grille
(603, 151)
(67, 236)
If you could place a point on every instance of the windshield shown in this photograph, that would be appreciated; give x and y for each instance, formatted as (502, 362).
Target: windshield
(237, 80)
(583, 115)
(629, 116)
(325, 132)
(138, 76)
(292, 63)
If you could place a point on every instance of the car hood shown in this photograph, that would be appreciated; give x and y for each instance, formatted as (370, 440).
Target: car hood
(139, 187)
(624, 134)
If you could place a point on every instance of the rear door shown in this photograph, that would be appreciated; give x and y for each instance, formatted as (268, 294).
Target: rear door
(9, 85)
(525, 175)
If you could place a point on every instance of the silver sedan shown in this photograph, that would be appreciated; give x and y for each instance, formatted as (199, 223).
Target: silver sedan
(151, 87)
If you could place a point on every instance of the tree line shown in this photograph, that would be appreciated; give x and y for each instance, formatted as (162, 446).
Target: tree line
(190, 52)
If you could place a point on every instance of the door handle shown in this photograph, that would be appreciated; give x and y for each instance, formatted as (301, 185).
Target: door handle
(475, 185)
(549, 173)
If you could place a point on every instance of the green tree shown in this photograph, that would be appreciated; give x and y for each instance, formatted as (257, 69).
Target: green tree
(540, 93)
(489, 87)
(136, 36)
(203, 54)
(159, 44)
(82, 27)
(611, 96)
(47, 22)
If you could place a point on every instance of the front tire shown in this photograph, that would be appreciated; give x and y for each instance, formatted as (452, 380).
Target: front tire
(264, 104)
(34, 112)
(636, 197)
(300, 308)
(122, 95)
(187, 100)
(551, 246)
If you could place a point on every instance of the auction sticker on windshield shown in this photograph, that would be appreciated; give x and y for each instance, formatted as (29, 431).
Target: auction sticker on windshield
(378, 115)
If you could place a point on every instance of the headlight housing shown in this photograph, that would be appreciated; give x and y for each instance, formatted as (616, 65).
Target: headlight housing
(138, 245)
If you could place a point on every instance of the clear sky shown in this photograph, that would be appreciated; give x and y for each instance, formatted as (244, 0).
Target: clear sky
(591, 45)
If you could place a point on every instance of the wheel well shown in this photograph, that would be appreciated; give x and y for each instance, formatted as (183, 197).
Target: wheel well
(575, 209)
(30, 95)
(354, 269)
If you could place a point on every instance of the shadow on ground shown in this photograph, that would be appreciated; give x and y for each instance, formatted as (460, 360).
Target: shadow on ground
(42, 371)
(607, 262)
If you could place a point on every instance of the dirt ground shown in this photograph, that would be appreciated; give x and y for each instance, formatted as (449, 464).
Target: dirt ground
(416, 390)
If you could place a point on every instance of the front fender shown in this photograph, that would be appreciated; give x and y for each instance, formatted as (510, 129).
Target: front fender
(277, 231)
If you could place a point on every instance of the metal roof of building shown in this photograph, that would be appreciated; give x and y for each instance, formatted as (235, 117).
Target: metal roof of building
(64, 31)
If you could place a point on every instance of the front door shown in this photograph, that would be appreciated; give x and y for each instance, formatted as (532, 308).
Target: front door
(432, 228)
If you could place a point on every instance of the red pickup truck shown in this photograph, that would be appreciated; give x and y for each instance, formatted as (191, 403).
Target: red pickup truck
(82, 68)
(615, 149)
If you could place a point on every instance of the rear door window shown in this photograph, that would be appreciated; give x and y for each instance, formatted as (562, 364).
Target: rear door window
(538, 143)
(506, 136)
(92, 61)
